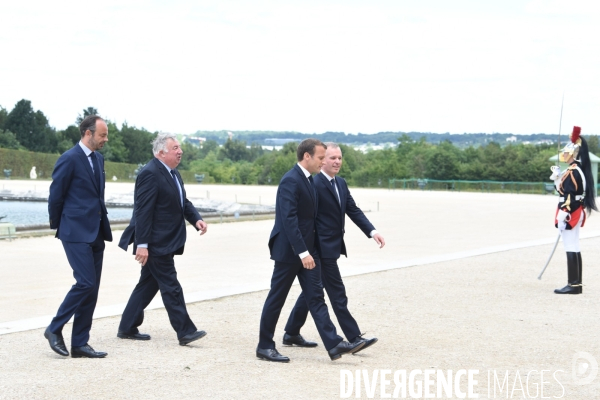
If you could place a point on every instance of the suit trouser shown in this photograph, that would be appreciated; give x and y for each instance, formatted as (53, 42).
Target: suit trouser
(158, 274)
(86, 261)
(336, 291)
(310, 281)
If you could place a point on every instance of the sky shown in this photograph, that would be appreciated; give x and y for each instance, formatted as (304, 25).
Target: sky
(479, 66)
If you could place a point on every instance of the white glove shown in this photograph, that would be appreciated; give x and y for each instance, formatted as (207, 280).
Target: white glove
(563, 216)
(555, 172)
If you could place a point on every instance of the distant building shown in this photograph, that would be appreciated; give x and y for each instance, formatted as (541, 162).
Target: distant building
(511, 139)
(195, 140)
(546, 142)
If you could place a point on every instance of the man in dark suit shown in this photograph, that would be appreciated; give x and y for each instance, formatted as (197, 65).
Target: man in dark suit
(293, 246)
(77, 211)
(158, 232)
(335, 202)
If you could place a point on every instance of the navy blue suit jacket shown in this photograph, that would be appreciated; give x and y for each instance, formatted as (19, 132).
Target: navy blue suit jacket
(295, 212)
(158, 216)
(331, 216)
(76, 203)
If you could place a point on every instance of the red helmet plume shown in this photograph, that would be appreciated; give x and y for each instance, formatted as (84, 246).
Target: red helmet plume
(575, 135)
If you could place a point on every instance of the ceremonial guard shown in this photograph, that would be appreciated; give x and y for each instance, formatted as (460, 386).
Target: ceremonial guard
(576, 188)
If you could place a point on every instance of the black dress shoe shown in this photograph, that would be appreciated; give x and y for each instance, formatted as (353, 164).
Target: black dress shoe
(133, 336)
(297, 340)
(569, 290)
(87, 352)
(57, 342)
(368, 342)
(271, 355)
(345, 348)
(189, 338)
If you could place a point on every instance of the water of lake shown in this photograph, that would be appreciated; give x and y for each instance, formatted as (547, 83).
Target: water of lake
(25, 213)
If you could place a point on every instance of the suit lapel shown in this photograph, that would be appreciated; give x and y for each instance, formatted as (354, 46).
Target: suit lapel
(342, 187)
(167, 175)
(100, 171)
(313, 193)
(83, 159)
(327, 183)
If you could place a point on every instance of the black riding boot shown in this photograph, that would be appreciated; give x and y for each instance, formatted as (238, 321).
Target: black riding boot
(573, 266)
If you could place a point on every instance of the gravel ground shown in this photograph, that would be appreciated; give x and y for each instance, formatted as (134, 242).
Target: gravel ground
(488, 313)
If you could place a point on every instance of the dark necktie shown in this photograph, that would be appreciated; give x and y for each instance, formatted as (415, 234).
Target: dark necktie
(96, 168)
(176, 185)
(312, 185)
(332, 181)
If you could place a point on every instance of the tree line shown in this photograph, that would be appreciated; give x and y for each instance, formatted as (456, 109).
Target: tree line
(247, 162)
(27, 129)
(462, 140)
(235, 162)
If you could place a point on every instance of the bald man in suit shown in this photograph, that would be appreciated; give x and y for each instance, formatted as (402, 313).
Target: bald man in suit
(78, 213)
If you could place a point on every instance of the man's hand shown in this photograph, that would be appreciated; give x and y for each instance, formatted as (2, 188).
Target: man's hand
(379, 240)
(141, 255)
(202, 227)
(308, 262)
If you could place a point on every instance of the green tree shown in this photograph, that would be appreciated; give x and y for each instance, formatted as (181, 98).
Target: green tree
(138, 142)
(115, 149)
(352, 159)
(8, 140)
(3, 116)
(87, 112)
(247, 173)
(255, 151)
(492, 158)
(234, 150)
(443, 162)
(71, 134)
(31, 128)
(592, 141)
(471, 168)
(190, 153)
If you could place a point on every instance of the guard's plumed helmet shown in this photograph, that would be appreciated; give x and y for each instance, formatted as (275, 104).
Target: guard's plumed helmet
(573, 146)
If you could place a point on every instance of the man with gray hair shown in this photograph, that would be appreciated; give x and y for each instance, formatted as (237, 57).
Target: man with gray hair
(158, 232)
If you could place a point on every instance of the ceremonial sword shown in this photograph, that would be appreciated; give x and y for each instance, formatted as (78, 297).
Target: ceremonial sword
(557, 162)
(550, 257)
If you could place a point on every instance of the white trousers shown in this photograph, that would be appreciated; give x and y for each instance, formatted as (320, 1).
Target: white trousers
(570, 238)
